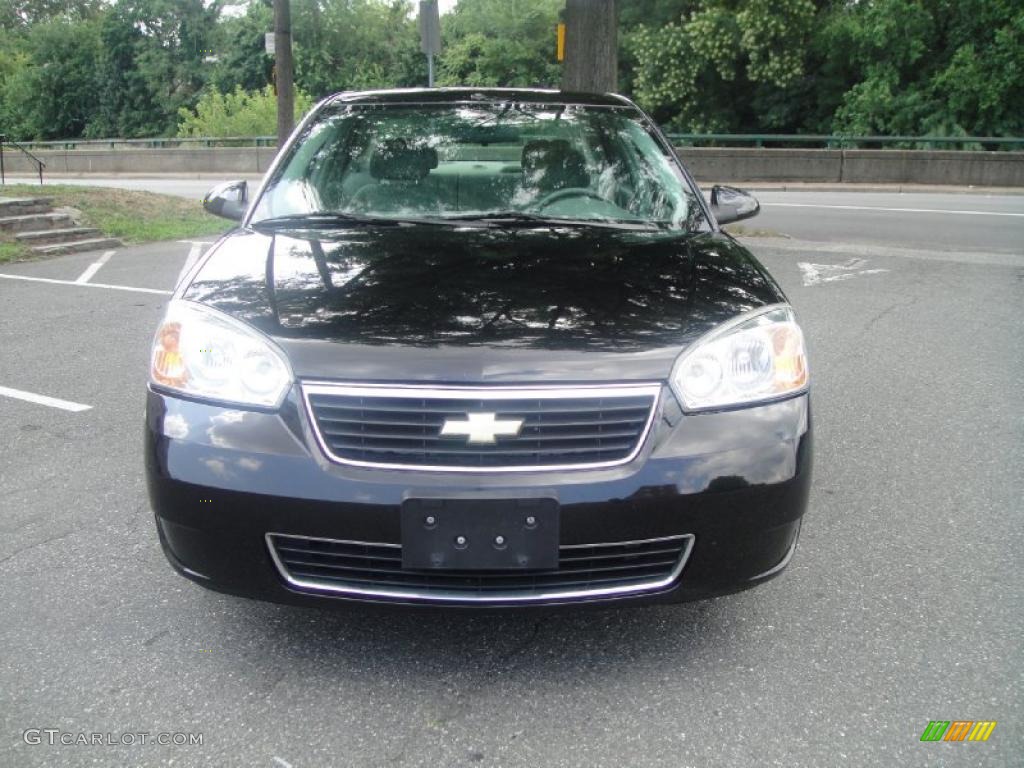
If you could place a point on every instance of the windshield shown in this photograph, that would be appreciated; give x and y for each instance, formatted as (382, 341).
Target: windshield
(463, 161)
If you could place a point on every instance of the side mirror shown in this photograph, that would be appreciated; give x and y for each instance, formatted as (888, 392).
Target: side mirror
(729, 204)
(228, 200)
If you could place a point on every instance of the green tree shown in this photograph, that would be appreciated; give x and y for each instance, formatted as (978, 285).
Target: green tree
(48, 83)
(240, 50)
(153, 64)
(238, 113)
(927, 66)
(500, 43)
(353, 44)
(705, 70)
(24, 13)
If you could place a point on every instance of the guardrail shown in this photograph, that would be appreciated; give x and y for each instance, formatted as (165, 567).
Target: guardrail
(156, 143)
(828, 141)
(740, 164)
(841, 141)
(39, 163)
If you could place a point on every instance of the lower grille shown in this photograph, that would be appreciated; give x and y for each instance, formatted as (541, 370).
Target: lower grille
(375, 570)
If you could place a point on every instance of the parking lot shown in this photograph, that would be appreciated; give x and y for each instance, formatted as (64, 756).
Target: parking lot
(903, 604)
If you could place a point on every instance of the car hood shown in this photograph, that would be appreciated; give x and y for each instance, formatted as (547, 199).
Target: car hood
(462, 304)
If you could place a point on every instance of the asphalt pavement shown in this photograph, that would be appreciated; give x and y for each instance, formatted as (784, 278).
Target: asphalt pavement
(903, 604)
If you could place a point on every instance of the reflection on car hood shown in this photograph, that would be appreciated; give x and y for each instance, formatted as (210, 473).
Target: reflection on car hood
(467, 304)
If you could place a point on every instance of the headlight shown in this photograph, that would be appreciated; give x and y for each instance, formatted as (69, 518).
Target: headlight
(756, 359)
(200, 352)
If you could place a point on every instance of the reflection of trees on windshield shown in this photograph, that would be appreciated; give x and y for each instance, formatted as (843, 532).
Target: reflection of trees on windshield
(487, 157)
(548, 288)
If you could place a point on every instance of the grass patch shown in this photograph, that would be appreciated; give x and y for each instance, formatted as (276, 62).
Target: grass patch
(741, 231)
(9, 251)
(132, 216)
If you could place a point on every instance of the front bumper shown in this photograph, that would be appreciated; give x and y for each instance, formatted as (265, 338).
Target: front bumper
(730, 487)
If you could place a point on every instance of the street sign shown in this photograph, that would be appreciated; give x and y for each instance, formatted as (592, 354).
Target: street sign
(268, 43)
(430, 28)
(560, 42)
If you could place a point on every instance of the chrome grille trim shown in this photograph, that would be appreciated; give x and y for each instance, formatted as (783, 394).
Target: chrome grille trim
(538, 392)
(312, 586)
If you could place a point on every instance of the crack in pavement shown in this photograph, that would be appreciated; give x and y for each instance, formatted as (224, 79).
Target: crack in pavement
(37, 544)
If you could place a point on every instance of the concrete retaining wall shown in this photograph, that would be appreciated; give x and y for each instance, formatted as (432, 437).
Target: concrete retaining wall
(880, 166)
(212, 160)
(742, 164)
(877, 166)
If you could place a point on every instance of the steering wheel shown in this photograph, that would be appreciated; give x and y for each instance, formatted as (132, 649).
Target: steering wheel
(562, 194)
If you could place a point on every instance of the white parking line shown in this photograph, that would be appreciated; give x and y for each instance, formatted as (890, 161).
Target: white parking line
(899, 210)
(53, 402)
(193, 254)
(86, 285)
(93, 268)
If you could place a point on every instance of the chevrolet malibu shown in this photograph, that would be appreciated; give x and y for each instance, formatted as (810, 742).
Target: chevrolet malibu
(478, 348)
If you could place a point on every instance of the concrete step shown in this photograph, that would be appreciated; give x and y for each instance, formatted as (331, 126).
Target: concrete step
(50, 236)
(21, 206)
(35, 222)
(78, 246)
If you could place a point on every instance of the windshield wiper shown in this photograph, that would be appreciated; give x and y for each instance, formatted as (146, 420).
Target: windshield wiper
(505, 219)
(332, 220)
(524, 219)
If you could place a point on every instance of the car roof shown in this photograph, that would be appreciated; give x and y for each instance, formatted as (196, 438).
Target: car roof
(456, 95)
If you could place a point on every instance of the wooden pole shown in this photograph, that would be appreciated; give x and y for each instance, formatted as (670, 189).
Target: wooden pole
(284, 70)
(591, 46)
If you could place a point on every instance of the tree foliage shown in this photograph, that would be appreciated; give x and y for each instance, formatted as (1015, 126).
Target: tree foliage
(869, 67)
(500, 43)
(127, 68)
(354, 44)
(238, 113)
(48, 82)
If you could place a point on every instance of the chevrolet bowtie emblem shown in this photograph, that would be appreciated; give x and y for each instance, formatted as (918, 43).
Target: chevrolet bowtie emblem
(482, 427)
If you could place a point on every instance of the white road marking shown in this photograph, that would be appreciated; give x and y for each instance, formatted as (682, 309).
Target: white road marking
(194, 252)
(285, 763)
(899, 210)
(93, 268)
(830, 273)
(85, 285)
(53, 402)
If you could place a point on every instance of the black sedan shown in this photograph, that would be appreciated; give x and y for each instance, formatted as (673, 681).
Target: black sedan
(478, 348)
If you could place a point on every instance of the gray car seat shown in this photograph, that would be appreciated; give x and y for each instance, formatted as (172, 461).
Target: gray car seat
(400, 172)
(552, 164)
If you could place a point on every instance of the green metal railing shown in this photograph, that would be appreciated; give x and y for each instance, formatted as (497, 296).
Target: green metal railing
(155, 143)
(827, 141)
(842, 141)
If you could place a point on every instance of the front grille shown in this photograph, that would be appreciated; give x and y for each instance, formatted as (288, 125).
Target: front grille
(375, 570)
(401, 427)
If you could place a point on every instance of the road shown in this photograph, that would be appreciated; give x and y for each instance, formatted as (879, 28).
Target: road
(904, 602)
(943, 221)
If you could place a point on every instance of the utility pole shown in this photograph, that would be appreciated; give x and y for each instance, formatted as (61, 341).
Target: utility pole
(283, 69)
(430, 35)
(591, 46)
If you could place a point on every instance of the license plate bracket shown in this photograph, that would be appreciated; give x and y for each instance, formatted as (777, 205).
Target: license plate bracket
(463, 534)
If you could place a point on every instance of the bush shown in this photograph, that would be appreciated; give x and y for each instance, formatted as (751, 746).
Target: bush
(239, 113)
